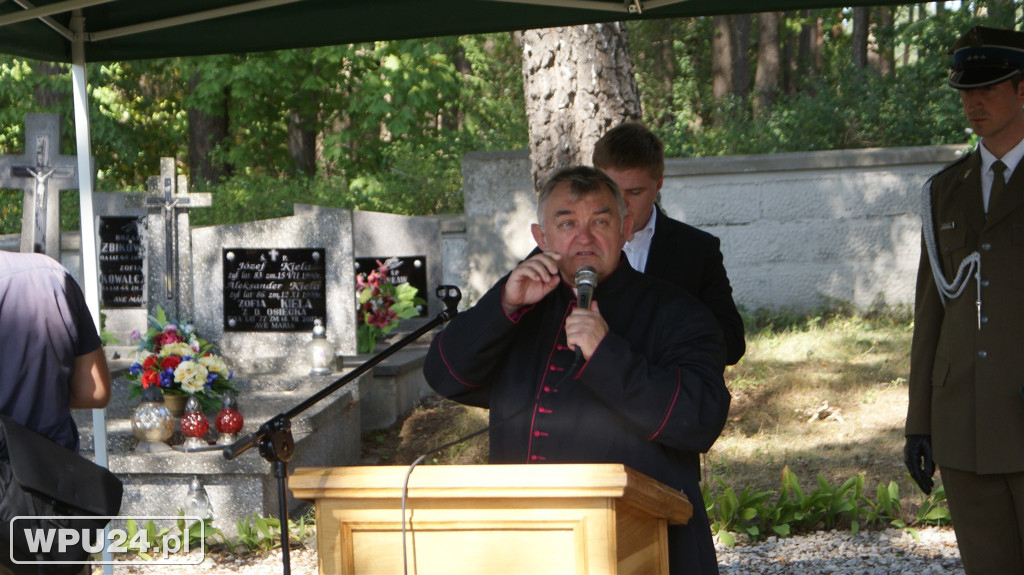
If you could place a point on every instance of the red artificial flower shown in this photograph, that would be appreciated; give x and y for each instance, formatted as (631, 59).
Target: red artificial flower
(168, 337)
(170, 361)
(151, 363)
(381, 318)
(149, 378)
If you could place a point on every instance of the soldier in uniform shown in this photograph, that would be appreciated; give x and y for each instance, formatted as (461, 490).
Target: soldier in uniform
(966, 408)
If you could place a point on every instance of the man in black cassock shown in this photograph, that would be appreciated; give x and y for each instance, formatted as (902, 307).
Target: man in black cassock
(635, 379)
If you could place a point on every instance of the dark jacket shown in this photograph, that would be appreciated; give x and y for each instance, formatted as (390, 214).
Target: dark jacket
(692, 259)
(651, 396)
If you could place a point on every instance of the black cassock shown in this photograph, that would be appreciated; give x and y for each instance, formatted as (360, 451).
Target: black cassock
(651, 396)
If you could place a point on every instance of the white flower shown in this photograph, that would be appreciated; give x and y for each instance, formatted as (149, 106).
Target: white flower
(215, 364)
(191, 376)
(180, 349)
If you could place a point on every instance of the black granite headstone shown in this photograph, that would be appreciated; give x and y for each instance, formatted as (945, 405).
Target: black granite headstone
(274, 289)
(122, 276)
(412, 270)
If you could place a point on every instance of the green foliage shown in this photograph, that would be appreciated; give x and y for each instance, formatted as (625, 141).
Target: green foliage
(391, 121)
(257, 533)
(755, 514)
(144, 541)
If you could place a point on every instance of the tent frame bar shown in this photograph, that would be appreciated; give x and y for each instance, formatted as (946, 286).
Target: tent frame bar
(44, 13)
(627, 6)
(187, 19)
(31, 11)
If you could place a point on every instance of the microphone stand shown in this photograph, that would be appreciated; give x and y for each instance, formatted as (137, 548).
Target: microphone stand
(274, 437)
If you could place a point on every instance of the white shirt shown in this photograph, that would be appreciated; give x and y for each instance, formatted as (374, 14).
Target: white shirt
(1011, 159)
(638, 248)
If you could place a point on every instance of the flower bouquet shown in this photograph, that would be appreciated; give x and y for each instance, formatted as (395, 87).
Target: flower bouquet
(382, 304)
(177, 361)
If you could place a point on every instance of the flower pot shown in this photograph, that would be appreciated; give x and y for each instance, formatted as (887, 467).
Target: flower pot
(176, 404)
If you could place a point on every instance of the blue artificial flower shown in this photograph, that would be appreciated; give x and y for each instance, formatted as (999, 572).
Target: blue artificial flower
(166, 378)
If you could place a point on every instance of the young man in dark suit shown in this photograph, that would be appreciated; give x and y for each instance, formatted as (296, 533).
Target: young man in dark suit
(966, 410)
(661, 246)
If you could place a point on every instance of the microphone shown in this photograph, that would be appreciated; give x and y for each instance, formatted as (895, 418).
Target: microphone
(586, 283)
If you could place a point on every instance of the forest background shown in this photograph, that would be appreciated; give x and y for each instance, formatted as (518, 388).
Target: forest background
(383, 126)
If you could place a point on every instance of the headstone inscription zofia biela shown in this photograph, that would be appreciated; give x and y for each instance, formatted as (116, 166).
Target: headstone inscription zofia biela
(122, 277)
(275, 289)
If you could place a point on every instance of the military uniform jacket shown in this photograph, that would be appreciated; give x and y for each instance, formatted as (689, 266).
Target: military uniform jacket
(651, 396)
(966, 383)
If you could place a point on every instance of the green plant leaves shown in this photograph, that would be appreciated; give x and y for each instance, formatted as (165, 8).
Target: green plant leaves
(755, 514)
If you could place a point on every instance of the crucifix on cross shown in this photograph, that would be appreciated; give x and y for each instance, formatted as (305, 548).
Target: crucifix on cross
(41, 172)
(166, 201)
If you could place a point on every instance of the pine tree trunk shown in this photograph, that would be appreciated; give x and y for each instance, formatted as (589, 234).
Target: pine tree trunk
(767, 77)
(302, 143)
(859, 41)
(578, 82)
(740, 24)
(205, 132)
(47, 98)
(886, 63)
(721, 58)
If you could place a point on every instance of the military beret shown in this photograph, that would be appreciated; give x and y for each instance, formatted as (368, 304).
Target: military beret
(986, 56)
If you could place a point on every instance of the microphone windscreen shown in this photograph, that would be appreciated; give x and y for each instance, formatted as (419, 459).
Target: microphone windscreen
(586, 282)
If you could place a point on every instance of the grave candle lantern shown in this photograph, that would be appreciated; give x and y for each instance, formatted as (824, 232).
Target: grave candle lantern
(194, 424)
(320, 353)
(152, 423)
(228, 421)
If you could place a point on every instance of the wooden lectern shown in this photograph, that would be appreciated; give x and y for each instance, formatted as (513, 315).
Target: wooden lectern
(488, 519)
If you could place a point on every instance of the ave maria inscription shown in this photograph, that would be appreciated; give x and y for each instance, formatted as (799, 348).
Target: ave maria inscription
(275, 289)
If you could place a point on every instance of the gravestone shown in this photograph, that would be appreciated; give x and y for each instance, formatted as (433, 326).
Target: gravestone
(42, 172)
(261, 285)
(169, 242)
(122, 237)
(416, 241)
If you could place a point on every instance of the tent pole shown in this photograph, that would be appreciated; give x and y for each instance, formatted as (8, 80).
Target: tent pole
(90, 273)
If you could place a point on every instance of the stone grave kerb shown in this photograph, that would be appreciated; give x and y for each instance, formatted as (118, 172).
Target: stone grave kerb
(169, 242)
(42, 172)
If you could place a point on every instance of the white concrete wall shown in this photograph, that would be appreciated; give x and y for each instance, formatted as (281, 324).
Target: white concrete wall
(798, 230)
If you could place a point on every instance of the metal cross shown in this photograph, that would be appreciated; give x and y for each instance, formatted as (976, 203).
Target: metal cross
(168, 203)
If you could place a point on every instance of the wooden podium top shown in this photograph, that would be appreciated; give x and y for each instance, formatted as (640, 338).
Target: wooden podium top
(604, 480)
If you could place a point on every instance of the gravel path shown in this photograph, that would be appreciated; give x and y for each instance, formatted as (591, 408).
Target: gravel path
(866, 553)
(889, 552)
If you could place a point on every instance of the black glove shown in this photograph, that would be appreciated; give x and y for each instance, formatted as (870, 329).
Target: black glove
(917, 455)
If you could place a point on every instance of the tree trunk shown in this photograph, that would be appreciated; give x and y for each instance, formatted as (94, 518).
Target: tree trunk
(452, 119)
(859, 42)
(302, 143)
(578, 82)
(46, 97)
(809, 56)
(206, 130)
(740, 24)
(886, 60)
(766, 79)
(721, 58)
